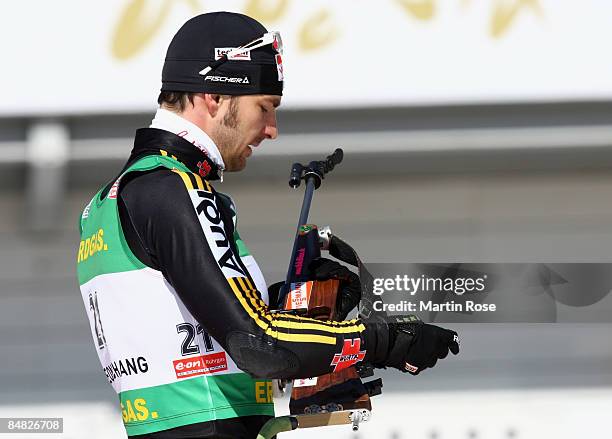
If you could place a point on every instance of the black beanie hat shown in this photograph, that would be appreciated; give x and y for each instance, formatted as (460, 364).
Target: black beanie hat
(203, 39)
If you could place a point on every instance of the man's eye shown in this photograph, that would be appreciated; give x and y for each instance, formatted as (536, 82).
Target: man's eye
(263, 109)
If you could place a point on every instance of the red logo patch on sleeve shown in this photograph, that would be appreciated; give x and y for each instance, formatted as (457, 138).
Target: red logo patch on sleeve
(349, 356)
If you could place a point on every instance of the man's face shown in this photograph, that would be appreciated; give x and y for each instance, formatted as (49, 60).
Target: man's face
(243, 122)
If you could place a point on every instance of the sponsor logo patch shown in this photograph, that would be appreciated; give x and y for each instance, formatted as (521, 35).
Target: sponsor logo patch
(125, 367)
(204, 168)
(200, 365)
(279, 67)
(299, 261)
(112, 193)
(305, 382)
(212, 225)
(232, 79)
(221, 51)
(91, 246)
(299, 295)
(86, 210)
(349, 356)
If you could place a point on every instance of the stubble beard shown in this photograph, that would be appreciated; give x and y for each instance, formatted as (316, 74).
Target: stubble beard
(227, 137)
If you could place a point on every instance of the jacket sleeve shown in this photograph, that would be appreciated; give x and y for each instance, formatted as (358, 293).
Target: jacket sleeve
(180, 228)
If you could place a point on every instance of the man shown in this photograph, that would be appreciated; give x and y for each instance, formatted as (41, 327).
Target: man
(177, 305)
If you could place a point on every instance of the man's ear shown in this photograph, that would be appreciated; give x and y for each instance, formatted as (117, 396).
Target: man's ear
(212, 102)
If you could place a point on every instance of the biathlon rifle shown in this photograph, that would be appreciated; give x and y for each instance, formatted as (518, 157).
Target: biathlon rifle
(338, 397)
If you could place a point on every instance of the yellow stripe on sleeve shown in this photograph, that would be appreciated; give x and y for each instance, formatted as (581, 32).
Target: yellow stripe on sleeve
(185, 178)
(326, 322)
(263, 325)
(347, 323)
(257, 303)
(199, 181)
(299, 338)
(317, 326)
(302, 323)
(304, 338)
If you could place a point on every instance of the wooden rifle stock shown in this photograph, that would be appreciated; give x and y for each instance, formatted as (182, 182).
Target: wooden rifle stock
(343, 388)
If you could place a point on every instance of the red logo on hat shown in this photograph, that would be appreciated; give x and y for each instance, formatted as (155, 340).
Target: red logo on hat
(350, 355)
(279, 66)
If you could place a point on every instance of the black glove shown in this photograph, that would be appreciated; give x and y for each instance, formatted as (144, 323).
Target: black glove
(349, 293)
(415, 346)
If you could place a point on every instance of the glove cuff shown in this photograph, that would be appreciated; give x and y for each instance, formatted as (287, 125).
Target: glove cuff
(397, 355)
(377, 342)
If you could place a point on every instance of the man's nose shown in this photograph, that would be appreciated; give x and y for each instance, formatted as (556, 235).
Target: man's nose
(271, 129)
